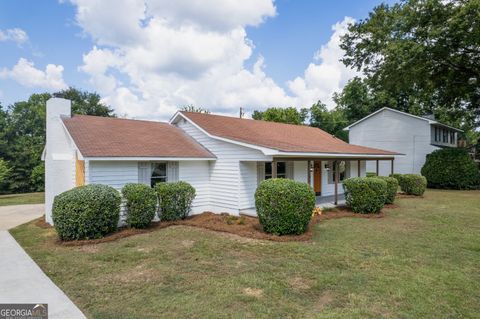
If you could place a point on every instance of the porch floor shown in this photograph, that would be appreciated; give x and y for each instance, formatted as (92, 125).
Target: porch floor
(329, 201)
(321, 201)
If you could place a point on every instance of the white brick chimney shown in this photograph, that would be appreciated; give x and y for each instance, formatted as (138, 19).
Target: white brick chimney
(59, 154)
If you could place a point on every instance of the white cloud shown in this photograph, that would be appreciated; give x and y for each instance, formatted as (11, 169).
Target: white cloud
(16, 35)
(329, 75)
(25, 73)
(153, 56)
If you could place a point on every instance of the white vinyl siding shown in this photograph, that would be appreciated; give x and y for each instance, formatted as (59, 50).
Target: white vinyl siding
(113, 173)
(396, 132)
(225, 187)
(196, 173)
(248, 184)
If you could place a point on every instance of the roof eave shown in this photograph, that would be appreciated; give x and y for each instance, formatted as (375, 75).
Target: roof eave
(148, 158)
(338, 155)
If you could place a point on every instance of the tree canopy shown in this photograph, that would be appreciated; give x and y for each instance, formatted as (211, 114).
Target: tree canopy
(193, 108)
(419, 56)
(289, 115)
(22, 136)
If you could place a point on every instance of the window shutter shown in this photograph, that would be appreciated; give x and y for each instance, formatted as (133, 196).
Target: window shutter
(260, 172)
(289, 170)
(172, 172)
(144, 172)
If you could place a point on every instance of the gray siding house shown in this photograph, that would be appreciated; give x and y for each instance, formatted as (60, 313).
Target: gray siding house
(404, 133)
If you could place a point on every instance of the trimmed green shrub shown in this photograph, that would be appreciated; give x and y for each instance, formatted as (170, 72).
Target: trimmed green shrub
(413, 184)
(284, 206)
(396, 176)
(141, 204)
(175, 199)
(451, 168)
(392, 188)
(86, 212)
(371, 174)
(365, 195)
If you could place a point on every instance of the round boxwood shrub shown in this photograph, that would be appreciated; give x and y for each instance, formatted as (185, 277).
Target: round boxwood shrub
(175, 200)
(141, 204)
(284, 206)
(451, 168)
(413, 184)
(396, 176)
(365, 195)
(392, 188)
(86, 212)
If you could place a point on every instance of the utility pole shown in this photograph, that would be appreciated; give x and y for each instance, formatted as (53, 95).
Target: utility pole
(241, 113)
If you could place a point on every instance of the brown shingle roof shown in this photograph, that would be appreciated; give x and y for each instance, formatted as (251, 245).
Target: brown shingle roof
(278, 136)
(112, 137)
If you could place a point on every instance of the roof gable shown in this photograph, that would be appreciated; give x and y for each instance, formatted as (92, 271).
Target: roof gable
(276, 136)
(429, 121)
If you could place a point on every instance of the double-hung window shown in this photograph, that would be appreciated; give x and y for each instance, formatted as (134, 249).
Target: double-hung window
(159, 173)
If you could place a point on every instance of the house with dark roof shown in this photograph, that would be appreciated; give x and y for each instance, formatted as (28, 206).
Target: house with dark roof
(224, 158)
(414, 136)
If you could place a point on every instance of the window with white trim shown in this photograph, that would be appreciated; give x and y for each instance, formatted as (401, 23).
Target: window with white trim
(159, 173)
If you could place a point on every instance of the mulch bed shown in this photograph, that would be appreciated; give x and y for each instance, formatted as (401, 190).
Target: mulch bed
(244, 226)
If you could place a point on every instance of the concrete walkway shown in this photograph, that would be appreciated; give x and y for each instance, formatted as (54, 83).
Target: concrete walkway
(11, 216)
(22, 281)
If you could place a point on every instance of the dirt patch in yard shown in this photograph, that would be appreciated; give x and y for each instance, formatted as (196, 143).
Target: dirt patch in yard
(40, 222)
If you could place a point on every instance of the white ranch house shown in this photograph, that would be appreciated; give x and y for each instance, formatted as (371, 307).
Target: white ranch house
(224, 158)
(412, 135)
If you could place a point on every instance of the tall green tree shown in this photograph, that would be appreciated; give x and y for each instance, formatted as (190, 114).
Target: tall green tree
(25, 136)
(421, 56)
(331, 121)
(289, 115)
(86, 103)
(4, 171)
(22, 132)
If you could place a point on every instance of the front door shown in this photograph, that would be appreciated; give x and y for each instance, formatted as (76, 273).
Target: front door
(317, 177)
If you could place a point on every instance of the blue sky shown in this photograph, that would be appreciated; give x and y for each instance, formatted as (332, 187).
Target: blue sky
(187, 55)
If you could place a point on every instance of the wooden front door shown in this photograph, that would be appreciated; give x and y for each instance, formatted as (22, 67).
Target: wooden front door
(317, 177)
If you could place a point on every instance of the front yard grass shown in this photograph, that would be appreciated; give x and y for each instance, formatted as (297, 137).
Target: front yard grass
(21, 199)
(421, 261)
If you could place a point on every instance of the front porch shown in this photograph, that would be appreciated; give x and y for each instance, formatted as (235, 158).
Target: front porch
(320, 201)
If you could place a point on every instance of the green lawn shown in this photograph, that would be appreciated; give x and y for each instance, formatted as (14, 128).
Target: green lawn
(20, 199)
(421, 261)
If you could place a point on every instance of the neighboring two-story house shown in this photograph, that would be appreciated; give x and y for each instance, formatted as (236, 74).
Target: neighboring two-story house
(404, 133)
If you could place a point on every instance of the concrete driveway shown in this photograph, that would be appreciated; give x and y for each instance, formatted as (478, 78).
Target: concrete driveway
(22, 281)
(11, 216)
